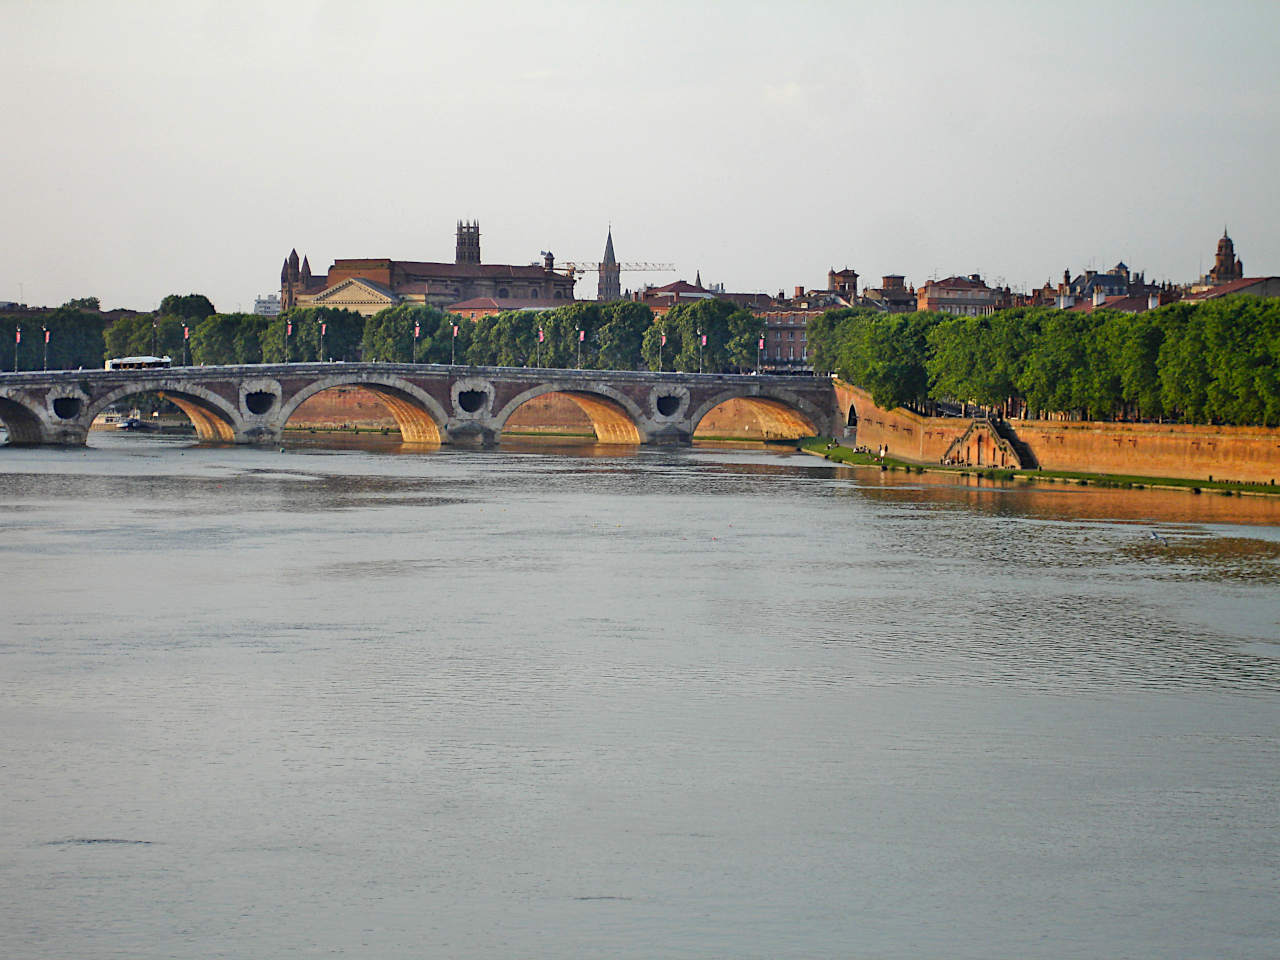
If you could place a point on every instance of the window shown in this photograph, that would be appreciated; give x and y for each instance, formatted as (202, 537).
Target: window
(504, 292)
(533, 293)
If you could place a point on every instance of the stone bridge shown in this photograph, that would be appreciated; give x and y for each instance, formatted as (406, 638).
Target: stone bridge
(432, 403)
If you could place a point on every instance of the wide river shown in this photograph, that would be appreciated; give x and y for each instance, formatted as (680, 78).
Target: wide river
(554, 702)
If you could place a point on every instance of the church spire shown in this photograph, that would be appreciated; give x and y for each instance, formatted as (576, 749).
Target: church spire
(610, 282)
(697, 279)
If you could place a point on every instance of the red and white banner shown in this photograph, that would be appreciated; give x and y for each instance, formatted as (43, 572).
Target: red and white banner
(540, 336)
(762, 343)
(46, 336)
(186, 332)
(323, 327)
(17, 335)
(455, 329)
(704, 339)
(416, 331)
(288, 329)
(582, 335)
(664, 340)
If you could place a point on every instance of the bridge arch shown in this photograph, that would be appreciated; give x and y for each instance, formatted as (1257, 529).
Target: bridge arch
(781, 414)
(614, 416)
(417, 413)
(215, 419)
(23, 423)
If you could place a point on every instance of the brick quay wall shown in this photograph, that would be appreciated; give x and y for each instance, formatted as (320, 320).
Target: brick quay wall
(1190, 451)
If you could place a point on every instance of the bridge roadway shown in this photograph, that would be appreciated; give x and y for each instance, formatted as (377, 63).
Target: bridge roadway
(432, 403)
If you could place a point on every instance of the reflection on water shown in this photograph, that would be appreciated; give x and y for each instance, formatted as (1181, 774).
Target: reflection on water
(571, 700)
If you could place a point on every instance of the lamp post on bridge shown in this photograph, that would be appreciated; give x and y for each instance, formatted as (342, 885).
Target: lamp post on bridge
(155, 337)
(759, 354)
(46, 346)
(662, 345)
(323, 327)
(17, 342)
(453, 345)
(186, 340)
(288, 332)
(582, 334)
(702, 342)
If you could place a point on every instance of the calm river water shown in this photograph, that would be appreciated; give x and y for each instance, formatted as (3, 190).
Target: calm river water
(564, 703)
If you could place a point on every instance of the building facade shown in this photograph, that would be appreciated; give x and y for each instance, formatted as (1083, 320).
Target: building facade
(368, 285)
(960, 296)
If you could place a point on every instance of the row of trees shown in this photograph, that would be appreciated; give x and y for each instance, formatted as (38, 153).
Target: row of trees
(1212, 362)
(612, 336)
(78, 335)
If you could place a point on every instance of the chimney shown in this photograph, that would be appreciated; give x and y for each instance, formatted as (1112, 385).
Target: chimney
(1066, 301)
(548, 261)
(1099, 297)
(1153, 301)
(799, 292)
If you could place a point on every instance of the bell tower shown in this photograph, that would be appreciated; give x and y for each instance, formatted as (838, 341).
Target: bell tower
(1226, 267)
(610, 287)
(468, 250)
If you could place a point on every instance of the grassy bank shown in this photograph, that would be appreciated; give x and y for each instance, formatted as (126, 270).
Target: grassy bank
(841, 454)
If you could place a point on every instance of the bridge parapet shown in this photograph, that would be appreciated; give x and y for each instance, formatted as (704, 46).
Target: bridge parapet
(433, 403)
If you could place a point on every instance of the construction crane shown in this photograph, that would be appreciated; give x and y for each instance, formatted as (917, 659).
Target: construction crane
(575, 267)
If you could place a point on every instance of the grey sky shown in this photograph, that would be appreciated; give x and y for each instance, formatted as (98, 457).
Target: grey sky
(187, 146)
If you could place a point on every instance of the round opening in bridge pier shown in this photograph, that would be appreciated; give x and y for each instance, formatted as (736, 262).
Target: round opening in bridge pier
(472, 400)
(67, 408)
(259, 402)
(668, 405)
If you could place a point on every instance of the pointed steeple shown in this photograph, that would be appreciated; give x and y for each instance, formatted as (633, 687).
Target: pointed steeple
(293, 264)
(610, 285)
(697, 279)
(306, 271)
(284, 271)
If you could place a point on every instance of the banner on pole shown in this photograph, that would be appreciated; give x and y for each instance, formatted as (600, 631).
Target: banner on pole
(664, 339)
(323, 327)
(582, 335)
(704, 339)
(540, 336)
(455, 329)
(46, 336)
(762, 343)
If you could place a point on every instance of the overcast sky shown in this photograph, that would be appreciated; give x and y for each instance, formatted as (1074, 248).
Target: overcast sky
(168, 147)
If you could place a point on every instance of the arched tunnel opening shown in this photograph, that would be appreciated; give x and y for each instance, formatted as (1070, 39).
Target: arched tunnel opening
(20, 424)
(367, 408)
(570, 415)
(164, 412)
(753, 418)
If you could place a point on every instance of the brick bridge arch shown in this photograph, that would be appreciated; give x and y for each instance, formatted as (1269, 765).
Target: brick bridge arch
(613, 415)
(215, 419)
(419, 415)
(24, 424)
(782, 414)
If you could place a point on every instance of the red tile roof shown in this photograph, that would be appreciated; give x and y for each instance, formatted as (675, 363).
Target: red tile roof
(506, 303)
(1224, 289)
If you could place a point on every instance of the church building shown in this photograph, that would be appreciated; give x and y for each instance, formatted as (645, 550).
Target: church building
(373, 284)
